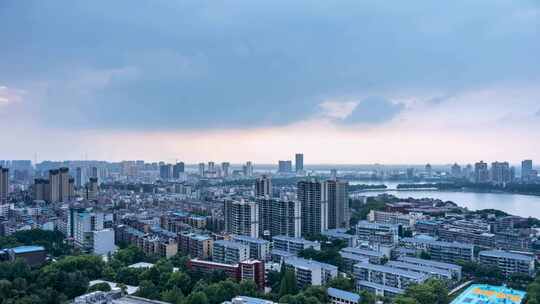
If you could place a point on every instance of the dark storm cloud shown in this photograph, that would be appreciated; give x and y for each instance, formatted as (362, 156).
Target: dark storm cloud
(208, 64)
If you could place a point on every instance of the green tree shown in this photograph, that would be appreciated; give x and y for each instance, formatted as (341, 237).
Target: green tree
(173, 295)
(100, 286)
(180, 280)
(197, 298)
(148, 290)
(343, 283)
(288, 284)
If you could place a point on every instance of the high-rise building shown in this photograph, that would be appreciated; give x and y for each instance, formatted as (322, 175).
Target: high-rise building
(455, 171)
(285, 166)
(312, 195)
(333, 173)
(165, 171)
(481, 172)
(279, 217)
(54, 186)
(500, 173)
(41, 189)
(241, 218)
(526, 170)
(338, 204)
(178, 169)
(92, 189)
(225, 169)
(94, 172)
(201, 169)
(429, 171)
(4, 185)
(64, 184)
(263, 186)
(299, 162)
(248, 169)
(79, 177)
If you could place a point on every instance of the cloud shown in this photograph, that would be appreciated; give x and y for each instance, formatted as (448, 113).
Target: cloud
(10, 96)
(337, 109)
(374, 110)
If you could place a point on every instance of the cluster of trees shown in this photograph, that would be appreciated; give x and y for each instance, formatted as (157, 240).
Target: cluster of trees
(533, 292)
(432, 292)
(53, 241)
(361, 187)
(329, 253)
(360, 210)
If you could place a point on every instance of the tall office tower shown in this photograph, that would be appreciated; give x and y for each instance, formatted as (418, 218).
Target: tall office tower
(285, 166)
(4, 185)
(54, 186)
(92, 189)
(178, 169)
(201, 169)
(299, 162)
(410, 173)
(314, 206)
(40, 189)
(225, 169)
(79, 177)
(500, 173)
(94, 172)
(526, 170)
(64, 185)
(241, 218)
(429, 171)
(481, 172)
(333, 173)
(248, 169)
(211, 171)
(338, 204)
(165, 171)
(263, 186)
(455, 171)
(279, 217)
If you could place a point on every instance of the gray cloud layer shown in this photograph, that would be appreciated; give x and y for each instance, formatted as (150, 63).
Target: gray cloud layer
(207, 64)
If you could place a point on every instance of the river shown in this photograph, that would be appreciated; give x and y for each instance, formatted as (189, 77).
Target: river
(516, 204)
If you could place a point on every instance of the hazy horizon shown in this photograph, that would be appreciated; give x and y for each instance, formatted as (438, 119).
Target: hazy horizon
(343, 82)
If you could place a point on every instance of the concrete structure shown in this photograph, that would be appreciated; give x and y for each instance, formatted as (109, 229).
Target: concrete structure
(299, 162)
(293, 245)
(4, 184)
(442, 251)
(242, 218)
(454, 269)
(341, 234)
(338, 296)
(309, 272)
(32, 255)
(258, 249)
(229, 252)
(284, 166)
(377, 233)
(279, 217)
(263, 186)
(387, 276)
(246, 270)
(196, 245)
(339, 213)
(508, 262)
(312, 195)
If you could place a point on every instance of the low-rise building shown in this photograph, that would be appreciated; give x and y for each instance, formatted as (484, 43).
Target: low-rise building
(387, 276)
(309, 272)
(377, 233)
(508, 262)
(196, 245)
(229, 252)
(448, 252)
(293, 245)
(338, 296)
(258, 249)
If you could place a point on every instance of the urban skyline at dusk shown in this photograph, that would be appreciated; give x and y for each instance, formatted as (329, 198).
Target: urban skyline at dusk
(345, 83)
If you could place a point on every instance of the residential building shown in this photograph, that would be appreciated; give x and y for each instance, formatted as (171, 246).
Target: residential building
(341, 234)
(500, 173)
(247, 270)
(309, 272)
(258, 249)
(312, 195)
(285, 166)
(377, 233)
(338, 296)
(293, 245)
(196, 245)
(448, 252)
(387, 276)
(508, 262)
(178, 170)
(4, 185)
(242, 218)
(481, 172)
(339, 213)
(279, 217)
(455, 270)
(527, 172)
(229, 252)
(299, 162)
(263, 186)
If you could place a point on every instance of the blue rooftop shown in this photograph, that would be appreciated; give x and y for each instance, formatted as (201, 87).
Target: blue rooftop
(27, 249)
(342, 294)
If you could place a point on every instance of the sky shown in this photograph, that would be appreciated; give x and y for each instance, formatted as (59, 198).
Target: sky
(345, 82)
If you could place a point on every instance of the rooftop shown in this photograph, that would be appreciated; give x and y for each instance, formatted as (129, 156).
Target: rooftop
(27, 249)
(506, 254)
(342, 294)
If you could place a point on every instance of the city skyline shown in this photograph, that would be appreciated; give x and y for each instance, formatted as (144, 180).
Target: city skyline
(344, 82)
